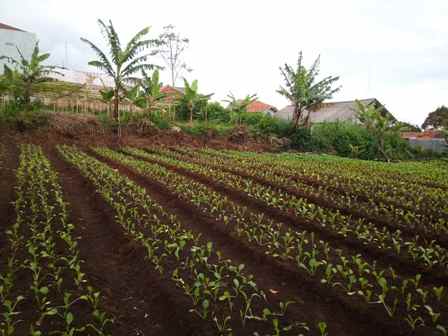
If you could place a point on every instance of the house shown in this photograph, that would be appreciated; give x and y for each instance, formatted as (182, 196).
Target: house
(258, 106)
(431, 140)
(173, 93)
(333, 111)
(10, 37)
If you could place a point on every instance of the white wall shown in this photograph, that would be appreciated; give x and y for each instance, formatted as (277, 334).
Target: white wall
(25, 42)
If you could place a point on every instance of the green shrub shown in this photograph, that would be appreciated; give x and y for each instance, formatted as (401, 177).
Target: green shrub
(263, 124)
(350, 140)
(343, 138)
(199, 128)
(14, 115)
(217, 112)
(301, 139)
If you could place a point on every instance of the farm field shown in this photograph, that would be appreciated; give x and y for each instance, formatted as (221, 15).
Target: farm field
(188, 241)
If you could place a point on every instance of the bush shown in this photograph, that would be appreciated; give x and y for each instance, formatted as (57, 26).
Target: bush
(345, 139)
(217, 112)
(14, 115)
(349, 140)
(301, 139)
(199, 128)
(264, 125)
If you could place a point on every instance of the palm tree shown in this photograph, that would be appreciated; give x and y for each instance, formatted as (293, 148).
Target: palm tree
(123, 63)
(239, 106)
(26, 74)
(303, 90)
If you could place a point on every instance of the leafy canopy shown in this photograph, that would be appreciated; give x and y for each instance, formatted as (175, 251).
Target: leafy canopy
(147, 93)
(123, 63)
(25, 76)
(238, 107)
(304, 90)
(437, 118)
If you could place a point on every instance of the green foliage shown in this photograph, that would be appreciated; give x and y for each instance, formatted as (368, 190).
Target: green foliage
(263, 124)
(24, 79)
(402, 126)
(437, 118)
(350, 140)
(301, 139)
(380, 126)
(217, 112)
(123, 63)
(304, 90)
(192, 103)
(15, 116)
(200, 128)
(239, 106)
(146, 94)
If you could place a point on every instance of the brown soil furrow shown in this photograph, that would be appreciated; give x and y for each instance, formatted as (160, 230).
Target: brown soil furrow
(9, 161)
(344, 316)
(369, 252)
(142, 302)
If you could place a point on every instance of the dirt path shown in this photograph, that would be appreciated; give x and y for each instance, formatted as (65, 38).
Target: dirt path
(142, 302)
(8, 164)
(314, 302)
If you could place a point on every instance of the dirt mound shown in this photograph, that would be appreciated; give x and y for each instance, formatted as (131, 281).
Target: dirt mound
(75, 125)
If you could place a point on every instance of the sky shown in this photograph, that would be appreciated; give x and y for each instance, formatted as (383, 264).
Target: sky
(392, 50)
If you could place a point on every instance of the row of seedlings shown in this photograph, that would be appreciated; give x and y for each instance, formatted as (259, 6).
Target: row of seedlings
(429, 256)
(43, 290)
(430, 225)
(405, 299)
(221, 292)
(390, 192)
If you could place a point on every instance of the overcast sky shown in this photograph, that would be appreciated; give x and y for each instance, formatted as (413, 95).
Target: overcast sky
(393, 50)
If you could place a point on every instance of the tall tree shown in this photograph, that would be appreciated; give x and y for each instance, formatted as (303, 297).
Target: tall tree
(26, 75)
(171, 48)
(304, 90)
(437, 118)
(239, 106)
(123, 63)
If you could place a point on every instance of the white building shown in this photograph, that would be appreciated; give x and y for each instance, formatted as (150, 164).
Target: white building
(10, 37)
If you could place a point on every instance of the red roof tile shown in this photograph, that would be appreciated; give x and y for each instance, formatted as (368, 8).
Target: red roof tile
(258, 106)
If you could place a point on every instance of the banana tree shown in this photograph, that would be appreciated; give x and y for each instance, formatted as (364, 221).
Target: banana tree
(123, 63)
(147, 93)
(192, 98)
(25, 75)
(239, 106)
(304, 90)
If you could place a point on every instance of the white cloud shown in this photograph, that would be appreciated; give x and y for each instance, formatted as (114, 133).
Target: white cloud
(393, 50)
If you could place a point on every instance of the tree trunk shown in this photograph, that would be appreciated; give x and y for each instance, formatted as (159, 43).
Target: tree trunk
(115, 112)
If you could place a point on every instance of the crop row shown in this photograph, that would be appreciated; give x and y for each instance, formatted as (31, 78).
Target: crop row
(341, 177)
(42, 287)
(426, 173)
(378, 213)
(353, 276)
(221, 292)
(413, 250)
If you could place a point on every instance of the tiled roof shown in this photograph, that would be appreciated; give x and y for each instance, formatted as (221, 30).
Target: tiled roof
(258, 106)
(422, 135)
(332, 111)
(5, 26)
